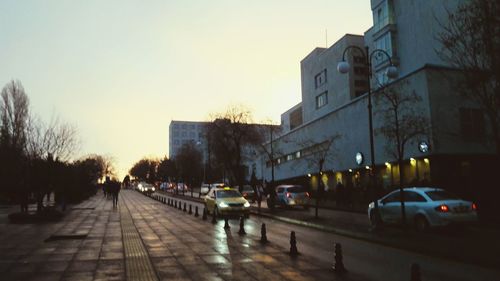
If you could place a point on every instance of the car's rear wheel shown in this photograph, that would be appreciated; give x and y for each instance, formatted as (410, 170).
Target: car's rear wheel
(421, 223)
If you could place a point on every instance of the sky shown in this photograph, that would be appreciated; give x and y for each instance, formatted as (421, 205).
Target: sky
(121, 70)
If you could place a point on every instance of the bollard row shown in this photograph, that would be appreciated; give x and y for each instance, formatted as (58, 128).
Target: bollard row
(338, 265)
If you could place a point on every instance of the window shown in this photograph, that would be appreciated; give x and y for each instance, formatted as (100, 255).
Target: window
(383, 43)
(358, 70)
(382, 16)
(392, 198)
(411, 196)
(297, 154)
(289, 157)
(322, 100)
(360, 83)
(359, 59)
(184, 126)
(191, 135)
(176, 133)
(320, 78)
(471, 123)
(184, 134)
(176, 142)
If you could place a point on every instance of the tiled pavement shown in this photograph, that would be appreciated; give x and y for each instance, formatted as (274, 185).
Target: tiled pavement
(96, 242)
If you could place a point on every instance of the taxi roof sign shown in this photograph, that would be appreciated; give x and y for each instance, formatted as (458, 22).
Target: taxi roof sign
(227, 188)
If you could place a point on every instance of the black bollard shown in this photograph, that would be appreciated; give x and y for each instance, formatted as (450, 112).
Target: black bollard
(263, 234)
(226, 224)
(190, 210)
(214, 219)
(185, 209)
(338, 266)
(196, 211)
(204, 216)
(180, 205)
(293, 244)
(415, 272)
(242, 226)
(175, 204)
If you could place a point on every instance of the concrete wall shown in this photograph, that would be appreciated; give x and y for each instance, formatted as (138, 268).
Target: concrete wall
(340, 89)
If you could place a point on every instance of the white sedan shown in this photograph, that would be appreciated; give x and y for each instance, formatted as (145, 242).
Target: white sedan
(424, 207)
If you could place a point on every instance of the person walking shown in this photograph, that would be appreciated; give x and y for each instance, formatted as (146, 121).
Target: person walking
(115, 190)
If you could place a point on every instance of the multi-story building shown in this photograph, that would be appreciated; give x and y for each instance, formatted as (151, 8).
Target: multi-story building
(181, 132)
(331, 121)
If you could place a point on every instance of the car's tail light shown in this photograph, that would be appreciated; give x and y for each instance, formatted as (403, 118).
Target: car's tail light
(443, 208)
(288, 195)
(474, 206)
(307, 194)
(245, 194)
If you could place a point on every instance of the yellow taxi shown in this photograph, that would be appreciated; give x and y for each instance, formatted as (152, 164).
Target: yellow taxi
(226, 201)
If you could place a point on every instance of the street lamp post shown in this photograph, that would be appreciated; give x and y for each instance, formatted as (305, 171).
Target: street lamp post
(391, 72)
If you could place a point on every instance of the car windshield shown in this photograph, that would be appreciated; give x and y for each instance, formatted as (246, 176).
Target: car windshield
(440, 195)
(231, 193)
(296, 189)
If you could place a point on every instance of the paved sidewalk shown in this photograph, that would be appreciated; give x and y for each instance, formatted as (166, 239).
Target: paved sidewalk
(144, 239)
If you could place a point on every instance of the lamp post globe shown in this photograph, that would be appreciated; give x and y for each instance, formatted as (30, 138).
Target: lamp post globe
(343, 67)
(392, 72)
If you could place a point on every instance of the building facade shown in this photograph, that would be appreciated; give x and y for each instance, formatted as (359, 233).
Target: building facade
(330, 141)
(181, 132)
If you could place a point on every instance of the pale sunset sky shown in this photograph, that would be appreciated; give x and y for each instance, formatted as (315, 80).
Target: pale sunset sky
(121, 70)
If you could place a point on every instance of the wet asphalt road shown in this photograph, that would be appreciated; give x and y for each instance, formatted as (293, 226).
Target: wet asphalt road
(146, 239)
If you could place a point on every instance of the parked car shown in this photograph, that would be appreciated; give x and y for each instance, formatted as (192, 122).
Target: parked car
(248, 193)
(182, 187)
(205, 187)
(424, 207)
(292, 195)
(226, 201)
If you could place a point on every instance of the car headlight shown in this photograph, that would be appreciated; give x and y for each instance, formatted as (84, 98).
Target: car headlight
(223, 205)
(246, 205)
(153, 189)
(371, 205)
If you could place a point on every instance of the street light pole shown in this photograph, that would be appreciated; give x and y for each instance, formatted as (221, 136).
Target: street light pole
(343, 67)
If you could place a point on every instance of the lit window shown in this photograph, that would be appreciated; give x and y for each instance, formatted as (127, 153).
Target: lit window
(289, 157)
(322, 100)
(297, 154)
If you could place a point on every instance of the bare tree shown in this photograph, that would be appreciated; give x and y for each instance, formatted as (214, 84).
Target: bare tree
(470, 42)
(56, 139)
(189, 163)
(316, 154)
(228, 134)
(267, 144)
(403, 122)
(14, 114)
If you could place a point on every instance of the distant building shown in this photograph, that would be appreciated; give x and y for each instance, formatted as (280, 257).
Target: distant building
(181, 132)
